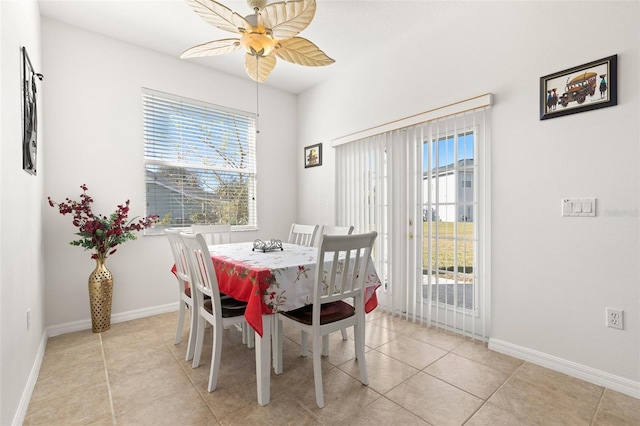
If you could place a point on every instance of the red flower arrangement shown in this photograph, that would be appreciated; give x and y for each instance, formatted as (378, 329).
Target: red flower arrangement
(99, 232)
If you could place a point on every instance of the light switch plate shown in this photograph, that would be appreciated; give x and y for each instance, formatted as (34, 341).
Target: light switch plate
(573, 207)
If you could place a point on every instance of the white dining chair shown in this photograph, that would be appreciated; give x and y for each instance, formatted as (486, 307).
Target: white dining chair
(303, 235)
(213, 234)
(332, 230)
(339, 276)
(220, 313)
(186, 297)
(327, 230)
(221, 234)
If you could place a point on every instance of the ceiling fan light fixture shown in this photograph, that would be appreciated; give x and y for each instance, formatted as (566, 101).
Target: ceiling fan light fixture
(257, 44)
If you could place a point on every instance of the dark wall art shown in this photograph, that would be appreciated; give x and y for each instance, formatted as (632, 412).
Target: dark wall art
(29, 115)
(583, 88)
(313, 155)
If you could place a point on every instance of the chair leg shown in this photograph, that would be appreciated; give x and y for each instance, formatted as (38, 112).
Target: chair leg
(344, 334)
(276, 342)
(304, 344)
(325, 345)
(193, 327)
(180, 323)
(248, 335)
(360, 356)
(198, 346)
(325, 341)
(243, 328)
(216, 352)
(317, 370)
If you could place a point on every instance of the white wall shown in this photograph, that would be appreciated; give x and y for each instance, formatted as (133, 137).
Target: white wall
(93, 113)
(21, 282)
(552, 276)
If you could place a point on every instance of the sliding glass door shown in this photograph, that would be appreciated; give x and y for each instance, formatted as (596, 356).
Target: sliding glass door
(425, 189)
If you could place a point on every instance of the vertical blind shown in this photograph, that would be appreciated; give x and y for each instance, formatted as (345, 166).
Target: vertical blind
(424, 189)
(200, 162)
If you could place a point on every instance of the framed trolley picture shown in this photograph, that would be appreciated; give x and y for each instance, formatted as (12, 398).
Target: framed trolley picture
(313, 155)
(583, 88)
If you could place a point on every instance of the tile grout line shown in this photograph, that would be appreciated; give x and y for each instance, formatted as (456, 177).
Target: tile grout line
(486, 401)
(598, 405)
(183, 368)
(106, 373)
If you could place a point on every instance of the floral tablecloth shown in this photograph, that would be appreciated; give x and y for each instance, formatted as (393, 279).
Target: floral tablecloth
(274, 281)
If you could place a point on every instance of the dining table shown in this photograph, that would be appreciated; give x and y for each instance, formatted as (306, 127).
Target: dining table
(272, 281)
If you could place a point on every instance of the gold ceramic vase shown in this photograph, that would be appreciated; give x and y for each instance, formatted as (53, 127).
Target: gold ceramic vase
(100, 294)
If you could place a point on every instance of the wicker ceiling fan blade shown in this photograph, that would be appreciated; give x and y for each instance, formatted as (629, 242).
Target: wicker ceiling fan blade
(301, 51)
(212, 48)
(259, 68)
(288, 19)
(220, 16)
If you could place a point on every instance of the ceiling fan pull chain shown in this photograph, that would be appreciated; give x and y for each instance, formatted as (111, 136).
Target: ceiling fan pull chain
(257, 95)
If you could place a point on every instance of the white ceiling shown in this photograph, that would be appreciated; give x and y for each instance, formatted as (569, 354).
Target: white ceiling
(345, 30)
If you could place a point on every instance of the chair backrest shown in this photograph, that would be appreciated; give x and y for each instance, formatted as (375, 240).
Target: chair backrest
(179, 257)
(213, 234)
(333, 230)
(203, 275)
(341, 269)
(303, 235)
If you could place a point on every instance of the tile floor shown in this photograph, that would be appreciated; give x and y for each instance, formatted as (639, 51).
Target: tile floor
(133, 374)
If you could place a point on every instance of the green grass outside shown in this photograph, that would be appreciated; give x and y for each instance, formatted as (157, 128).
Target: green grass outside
(445, 246)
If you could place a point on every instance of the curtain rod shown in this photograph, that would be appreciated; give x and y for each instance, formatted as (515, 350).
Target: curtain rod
(433, 114)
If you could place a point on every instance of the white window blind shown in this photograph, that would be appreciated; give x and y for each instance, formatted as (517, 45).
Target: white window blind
(425, 189)
(200, 162)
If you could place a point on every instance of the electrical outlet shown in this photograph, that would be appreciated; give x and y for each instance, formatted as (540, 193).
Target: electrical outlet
(615, 318)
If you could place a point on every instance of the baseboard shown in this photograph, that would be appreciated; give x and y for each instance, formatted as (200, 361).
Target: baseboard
(21, 412)
(70, 327)
(601, 378)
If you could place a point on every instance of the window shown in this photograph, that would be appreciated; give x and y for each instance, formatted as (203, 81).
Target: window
(200, 162)
(450, 242)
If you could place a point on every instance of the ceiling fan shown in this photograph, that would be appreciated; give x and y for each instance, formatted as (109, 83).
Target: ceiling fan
(269, 33)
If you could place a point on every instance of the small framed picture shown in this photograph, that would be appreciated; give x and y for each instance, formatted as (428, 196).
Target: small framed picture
(583, 88)
(313, 155)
